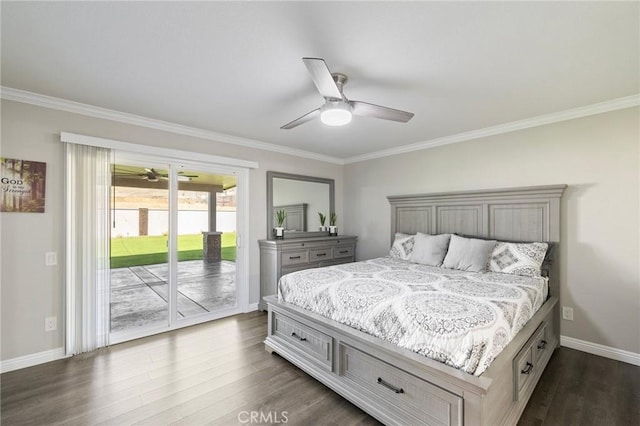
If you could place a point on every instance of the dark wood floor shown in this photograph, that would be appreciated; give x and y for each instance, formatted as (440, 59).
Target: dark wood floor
(219, 373)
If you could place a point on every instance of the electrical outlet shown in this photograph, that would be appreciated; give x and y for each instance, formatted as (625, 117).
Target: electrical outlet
(50, 323)
(567, 313)
(51, 258)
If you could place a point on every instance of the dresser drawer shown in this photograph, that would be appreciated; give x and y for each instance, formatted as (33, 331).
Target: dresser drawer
(295, 257)
(343, 251)
(313, 343)
(293, 268)
(424, 402)
(338, 261)
(320, 254)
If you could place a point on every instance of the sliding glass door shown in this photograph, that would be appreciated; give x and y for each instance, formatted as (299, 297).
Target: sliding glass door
(139, 250)
(206, 242)
(173, 245)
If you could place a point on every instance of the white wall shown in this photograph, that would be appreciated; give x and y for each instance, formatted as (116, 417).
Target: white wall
(31, 291)
(597, 156)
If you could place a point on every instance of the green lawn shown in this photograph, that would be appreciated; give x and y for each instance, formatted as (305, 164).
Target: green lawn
(148, 250)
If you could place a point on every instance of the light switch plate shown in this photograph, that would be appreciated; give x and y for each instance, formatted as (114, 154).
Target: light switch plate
(51, 258)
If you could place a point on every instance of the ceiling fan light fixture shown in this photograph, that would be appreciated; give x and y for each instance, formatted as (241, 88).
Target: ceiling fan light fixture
(336, 114)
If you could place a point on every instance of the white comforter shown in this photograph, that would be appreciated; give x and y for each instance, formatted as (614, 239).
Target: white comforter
(463, 319)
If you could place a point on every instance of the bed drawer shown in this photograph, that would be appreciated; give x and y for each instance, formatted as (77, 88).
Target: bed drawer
(523, 371)
(320, 254)
(527, 363)
(313, 343)
(295, 257)
(540, 344)
(343, 251)
(424, 402)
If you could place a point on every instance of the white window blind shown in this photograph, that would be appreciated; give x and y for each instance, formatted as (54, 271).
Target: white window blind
(87, 183)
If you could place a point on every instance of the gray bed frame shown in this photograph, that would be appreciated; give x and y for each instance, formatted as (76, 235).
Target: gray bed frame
(398, 386)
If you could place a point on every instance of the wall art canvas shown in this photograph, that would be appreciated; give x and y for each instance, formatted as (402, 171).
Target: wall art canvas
(22, 184)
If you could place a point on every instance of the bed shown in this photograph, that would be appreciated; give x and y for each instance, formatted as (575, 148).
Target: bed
(399, 379)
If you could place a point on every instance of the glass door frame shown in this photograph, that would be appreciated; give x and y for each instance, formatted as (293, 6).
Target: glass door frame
(242, 232)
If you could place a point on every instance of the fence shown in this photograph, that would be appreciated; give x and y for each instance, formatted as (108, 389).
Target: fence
(189, 222)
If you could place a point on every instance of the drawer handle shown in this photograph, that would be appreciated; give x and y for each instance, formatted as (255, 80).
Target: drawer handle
(320, 254)
(294, 257)
(542, 344)
(302, 339)
(389, 386)
(527, 369)
(344, 251)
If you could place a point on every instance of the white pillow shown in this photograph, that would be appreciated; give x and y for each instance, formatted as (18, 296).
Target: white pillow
(402, 246)
(429, 249)
(518, 258)
(468, 254)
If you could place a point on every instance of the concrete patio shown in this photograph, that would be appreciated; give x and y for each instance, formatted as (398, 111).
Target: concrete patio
(139, 294)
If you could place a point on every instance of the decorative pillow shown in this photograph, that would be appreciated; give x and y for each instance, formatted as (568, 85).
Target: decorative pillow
(518, 258)
(429, 249)
(468, 254)
(402, 246)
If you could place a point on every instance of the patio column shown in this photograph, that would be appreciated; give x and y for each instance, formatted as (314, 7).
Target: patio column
(213, 206)
(212, 246)
(143, 221)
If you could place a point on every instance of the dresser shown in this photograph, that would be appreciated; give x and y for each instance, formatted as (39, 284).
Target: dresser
(280, 257)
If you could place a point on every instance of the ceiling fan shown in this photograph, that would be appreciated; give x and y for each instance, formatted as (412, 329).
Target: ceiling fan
(338, 110)
(152, 175)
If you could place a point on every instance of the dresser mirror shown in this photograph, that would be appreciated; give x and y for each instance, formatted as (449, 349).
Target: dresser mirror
(301, 197)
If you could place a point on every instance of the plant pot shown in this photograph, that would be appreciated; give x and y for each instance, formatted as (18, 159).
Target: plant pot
(333, 230)
(278, 231)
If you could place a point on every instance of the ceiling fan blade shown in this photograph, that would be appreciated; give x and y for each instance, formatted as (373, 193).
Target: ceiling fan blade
(365, 109)
(131, 176)
(298, 121)
(322, 77)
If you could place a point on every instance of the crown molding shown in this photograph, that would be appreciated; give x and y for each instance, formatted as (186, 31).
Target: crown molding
(541, 120)
(37, 99)
(137, 120)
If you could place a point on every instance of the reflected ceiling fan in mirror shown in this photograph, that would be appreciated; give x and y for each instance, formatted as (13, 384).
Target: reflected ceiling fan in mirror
(151, 175)
(338, 110)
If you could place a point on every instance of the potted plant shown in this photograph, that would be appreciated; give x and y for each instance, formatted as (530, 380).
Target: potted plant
(333, 229)
(323, 218)
(281, 215)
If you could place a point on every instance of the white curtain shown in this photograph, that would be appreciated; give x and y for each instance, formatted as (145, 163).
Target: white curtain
(87, 181)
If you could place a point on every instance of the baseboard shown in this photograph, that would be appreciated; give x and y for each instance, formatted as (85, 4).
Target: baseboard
(601, 350)
(31, 360)
(252, 307)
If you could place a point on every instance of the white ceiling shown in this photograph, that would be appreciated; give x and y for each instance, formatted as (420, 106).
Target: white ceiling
(235, 67)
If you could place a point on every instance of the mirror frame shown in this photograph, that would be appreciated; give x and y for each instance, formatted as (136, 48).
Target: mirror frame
(270, 176)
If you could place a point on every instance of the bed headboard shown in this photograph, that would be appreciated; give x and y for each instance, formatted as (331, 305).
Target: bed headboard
(295, 217)
(513, 214)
